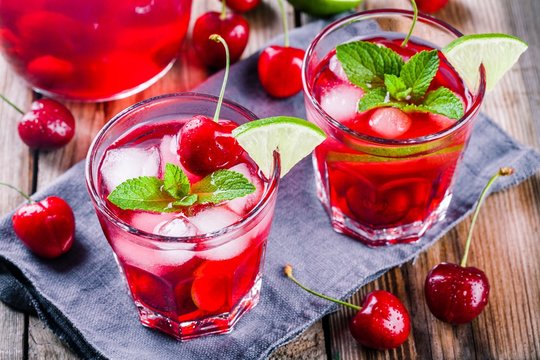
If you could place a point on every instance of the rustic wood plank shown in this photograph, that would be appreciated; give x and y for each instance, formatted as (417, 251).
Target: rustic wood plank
(18, 173)
(506, 250)
(308, 346)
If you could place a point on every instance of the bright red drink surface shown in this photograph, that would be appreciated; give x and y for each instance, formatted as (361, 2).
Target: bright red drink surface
(91, 49)
(196, 279)
(384, 183)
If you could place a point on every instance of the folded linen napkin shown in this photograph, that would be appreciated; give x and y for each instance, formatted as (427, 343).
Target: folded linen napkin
(81, 296)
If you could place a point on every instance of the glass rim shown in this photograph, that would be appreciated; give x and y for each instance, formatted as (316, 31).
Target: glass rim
(469, 114)
(102, 207)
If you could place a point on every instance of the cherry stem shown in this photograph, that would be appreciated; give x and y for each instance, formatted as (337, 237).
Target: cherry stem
(217, 38)
(415, 17)
(25, 195)
(223, 14)
(505, 171)
(12, 104)
(284, 20)
(288, 272)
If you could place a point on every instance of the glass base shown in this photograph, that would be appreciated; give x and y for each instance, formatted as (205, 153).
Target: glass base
(407, 233)
(216, 324)
(121, 95)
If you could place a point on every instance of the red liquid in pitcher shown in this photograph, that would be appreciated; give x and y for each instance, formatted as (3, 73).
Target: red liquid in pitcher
(93, 49)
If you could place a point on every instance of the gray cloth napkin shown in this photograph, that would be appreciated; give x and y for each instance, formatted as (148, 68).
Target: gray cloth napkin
(81, 297)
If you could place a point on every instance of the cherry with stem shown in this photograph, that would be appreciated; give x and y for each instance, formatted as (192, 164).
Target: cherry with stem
(280, 67)
(46, 227)
(456, 293)
(382, 322)
(48, 125)
(233, 28)
(204, 144)
(242, 6)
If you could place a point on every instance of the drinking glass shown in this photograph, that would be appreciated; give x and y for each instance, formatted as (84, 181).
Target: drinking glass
(384, 191)
(192, 285)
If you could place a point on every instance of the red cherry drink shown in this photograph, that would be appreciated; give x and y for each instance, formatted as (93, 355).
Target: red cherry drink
(195, 271)
(94, 49)
(384, 175)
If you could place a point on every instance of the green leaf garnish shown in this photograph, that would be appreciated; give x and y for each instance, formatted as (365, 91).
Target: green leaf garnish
(142, 193)
(366, 63)
(222, 185)
(176, 181)
(419, 71)
(388, 81)
(175, 192)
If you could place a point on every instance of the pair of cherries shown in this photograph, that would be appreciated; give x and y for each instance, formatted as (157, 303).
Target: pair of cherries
(279, 67)
(46, 227)
(454, 293)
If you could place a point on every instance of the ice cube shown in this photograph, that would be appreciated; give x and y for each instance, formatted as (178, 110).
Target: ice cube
(228, 250)
(127, 163)
(214, 218)
(148, 221)
(341, 102)
(335, 66)
(147, 257)
(389, 122)
(168, 150)
(178, 226)
(244, 204)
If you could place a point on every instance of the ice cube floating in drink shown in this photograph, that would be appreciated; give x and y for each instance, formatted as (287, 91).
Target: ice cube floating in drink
(189, 273)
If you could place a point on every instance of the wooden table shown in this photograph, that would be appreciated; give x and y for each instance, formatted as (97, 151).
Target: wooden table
(507, 235)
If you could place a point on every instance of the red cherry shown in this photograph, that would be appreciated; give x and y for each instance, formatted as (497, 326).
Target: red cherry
(205, 146)
(430, 6)
(48, 125)
(243, 5)
(456, 294)
(280, 70)
(46, 227)
(382, 322)
(232, 27)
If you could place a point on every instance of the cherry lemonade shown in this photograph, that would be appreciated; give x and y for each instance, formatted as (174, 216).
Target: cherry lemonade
(195, 270)
(374, 186)
(91, 50)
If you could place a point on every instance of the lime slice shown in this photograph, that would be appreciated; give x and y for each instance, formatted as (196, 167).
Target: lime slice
(292, 137)
(498, 52)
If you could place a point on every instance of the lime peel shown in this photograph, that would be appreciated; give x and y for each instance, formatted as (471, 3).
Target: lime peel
(292, 137)
(497, 52)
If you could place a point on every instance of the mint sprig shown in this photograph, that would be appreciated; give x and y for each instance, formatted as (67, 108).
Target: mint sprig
(175, 192)
(389, 82)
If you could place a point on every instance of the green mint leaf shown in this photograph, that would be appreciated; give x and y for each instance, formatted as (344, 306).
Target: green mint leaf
(142, 193)
(373, 99)
(222, 185)
(176, 181)
(444, 102)
(419, 71)
(396, 87)
(187, 200)
(366, 63)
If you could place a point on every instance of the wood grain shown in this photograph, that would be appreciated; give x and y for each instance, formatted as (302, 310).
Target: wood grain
(507, 250)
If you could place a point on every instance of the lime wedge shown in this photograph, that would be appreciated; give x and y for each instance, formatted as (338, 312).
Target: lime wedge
(292, 137)
(498, 52)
